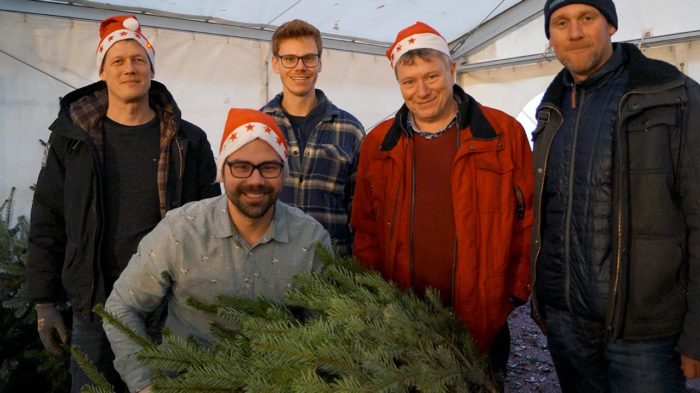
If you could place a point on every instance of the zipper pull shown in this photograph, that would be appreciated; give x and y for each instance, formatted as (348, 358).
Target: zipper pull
(573, 96)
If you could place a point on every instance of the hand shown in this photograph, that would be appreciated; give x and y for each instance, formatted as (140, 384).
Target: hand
(690, 367)
(147, 389)
(48, 319)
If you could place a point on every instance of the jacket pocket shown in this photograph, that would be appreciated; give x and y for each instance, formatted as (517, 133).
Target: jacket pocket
(649, 135)
(494, 183)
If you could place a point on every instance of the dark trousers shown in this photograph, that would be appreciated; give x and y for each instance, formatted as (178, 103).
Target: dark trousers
(93, 343)
(586, 362)
(498, 356)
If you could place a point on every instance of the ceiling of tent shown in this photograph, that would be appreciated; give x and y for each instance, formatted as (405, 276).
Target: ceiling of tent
(374, 22)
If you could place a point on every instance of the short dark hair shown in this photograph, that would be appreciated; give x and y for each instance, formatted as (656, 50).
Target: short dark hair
(294, 29)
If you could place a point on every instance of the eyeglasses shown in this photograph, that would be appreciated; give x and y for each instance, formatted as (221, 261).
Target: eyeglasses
(243, 169)
(290, 61)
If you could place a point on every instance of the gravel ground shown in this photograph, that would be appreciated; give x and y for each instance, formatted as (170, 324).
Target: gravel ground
(530, 368)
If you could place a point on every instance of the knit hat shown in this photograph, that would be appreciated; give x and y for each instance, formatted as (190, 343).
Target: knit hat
(417, 36)
(118, 28)
(244, 126)
(606, 7)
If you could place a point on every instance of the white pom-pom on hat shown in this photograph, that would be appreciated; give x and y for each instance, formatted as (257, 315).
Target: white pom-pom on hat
(131, 24)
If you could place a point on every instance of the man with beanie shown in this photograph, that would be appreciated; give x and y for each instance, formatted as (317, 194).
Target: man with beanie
(616, 241)
(245, 243)
(443, 195)
(324, 140)
(119, 156)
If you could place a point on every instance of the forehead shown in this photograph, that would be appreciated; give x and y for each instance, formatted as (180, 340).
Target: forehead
(297, 46)
(126, 48)
(420, 65)
(573, 10)
(255, 151)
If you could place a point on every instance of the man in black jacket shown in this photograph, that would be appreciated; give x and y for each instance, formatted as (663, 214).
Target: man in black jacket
(118, 158)
(616, 253)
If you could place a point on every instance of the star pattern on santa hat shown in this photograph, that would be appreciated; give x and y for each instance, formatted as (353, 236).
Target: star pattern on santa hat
(111, 38)
(279, 140)
(398, 48)
(123, 33)
(411, 40)
(268, 129)
(249, 127)
(233, 136)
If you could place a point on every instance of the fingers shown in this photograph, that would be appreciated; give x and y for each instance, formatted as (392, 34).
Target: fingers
(47, 338)
(690, 366)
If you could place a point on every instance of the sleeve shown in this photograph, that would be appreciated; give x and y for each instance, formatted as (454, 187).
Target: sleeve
(139, 290)
(519, 254)
(206, 176)
(47, 235)
(366, 246)
(689, 341)
(352, 174)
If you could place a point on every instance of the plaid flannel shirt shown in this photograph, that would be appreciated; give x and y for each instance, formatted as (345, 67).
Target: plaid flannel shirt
(322, 182)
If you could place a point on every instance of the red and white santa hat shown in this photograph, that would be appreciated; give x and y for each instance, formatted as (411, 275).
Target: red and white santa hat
(417, 36)
(119, 28)
(244, 126)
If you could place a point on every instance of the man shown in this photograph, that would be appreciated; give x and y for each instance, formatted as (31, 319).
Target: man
(118, 158)
(246, 243)
(324, 141)
(615, 258)
(443, 195)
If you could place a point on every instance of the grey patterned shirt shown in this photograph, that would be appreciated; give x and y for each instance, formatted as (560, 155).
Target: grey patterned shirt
(196, 252)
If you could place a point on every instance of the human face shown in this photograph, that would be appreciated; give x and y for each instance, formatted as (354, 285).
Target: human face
(127, 71)
(581, 38)
(252, 198)
(427, 88)
(299, 80)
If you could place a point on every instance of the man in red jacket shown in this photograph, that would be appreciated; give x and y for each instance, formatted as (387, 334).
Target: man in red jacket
(443, 195)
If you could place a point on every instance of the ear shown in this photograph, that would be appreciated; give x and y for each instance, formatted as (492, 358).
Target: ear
(453, 70)
(320, 65)
(611, 30)
(102, 72)
(276, 64)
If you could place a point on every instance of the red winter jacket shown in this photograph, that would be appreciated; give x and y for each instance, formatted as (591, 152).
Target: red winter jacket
(492, 192)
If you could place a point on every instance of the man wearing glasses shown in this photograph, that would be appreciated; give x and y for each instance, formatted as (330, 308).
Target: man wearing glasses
(324, 141)
(246, 243)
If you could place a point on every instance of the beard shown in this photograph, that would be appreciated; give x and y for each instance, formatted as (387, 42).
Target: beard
(256, 208)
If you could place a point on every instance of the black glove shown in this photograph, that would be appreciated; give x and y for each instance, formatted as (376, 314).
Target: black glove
(48, 319)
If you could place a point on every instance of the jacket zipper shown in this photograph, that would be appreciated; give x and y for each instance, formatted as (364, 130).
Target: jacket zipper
(410, 224)
(569, 206)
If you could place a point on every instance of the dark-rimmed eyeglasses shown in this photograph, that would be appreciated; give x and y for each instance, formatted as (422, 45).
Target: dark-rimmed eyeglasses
(291, 61)
(243, 169)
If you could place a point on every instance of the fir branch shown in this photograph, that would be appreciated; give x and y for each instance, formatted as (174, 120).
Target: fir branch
(110, 318)
(88, 367)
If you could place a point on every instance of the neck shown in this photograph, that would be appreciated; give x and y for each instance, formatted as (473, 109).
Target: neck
(250, 229)
(130, 113)
(299, 105)
(437, 123)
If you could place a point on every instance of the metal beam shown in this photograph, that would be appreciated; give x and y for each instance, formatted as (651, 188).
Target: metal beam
(513, 17)
(650, 42)
(187, 23)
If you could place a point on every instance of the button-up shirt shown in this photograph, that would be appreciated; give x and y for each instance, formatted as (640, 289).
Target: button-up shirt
(196, 252)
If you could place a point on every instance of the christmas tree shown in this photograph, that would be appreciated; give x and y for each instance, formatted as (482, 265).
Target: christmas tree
(343, 329)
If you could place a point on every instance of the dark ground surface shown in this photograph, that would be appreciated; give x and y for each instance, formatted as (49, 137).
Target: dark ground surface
(530, 368)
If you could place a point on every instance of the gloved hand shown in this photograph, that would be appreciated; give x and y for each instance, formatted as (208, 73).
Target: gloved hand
(48, 319)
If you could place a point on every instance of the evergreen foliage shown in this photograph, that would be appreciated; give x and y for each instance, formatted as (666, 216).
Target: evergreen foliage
(24, 364)
(343, 329)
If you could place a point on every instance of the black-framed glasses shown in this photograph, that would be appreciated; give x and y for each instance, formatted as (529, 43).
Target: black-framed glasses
(243, 169)
(290, 61)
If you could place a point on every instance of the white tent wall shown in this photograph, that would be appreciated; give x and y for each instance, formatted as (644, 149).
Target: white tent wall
(510, 88)
(43, 58)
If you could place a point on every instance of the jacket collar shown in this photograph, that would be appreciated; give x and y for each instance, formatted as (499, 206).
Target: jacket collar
(274, 107)
(469, 114)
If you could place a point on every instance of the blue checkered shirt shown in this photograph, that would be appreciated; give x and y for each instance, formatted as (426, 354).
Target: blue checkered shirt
(322, 182)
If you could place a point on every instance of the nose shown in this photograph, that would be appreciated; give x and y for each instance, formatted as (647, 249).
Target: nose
(575, 31)
(422, 89)
(256, 177)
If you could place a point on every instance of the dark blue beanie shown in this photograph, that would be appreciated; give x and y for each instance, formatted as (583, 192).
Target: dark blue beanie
(606, 7)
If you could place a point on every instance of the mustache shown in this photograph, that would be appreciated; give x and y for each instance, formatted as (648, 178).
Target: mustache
(256, 189)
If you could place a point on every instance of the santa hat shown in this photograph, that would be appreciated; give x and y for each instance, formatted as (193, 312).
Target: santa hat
(417, 36)
(119, 28)
(244, 126)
